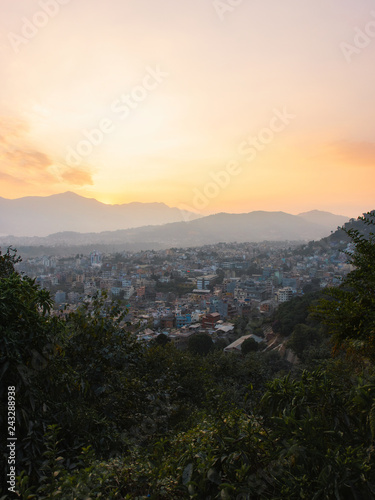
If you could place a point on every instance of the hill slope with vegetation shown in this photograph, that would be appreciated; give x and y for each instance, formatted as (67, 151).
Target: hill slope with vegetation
(100, 415)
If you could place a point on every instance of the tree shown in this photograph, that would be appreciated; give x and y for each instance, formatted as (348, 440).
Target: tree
(303, 339)
(349, 310)
(292, 313)
(7, 262)
(26, 346)
(220, 344)
(249, 345)
(201, 343)
(161, 340)
(240, 324)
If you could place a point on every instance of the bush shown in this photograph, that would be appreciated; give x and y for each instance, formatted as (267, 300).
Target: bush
(200, 343)
(249, 345)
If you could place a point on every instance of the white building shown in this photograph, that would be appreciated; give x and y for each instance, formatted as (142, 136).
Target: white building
(96, 258)
(203, 282)
(284, 294)
(128, 292)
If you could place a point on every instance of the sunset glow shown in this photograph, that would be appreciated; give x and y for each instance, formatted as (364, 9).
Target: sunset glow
(151, 100)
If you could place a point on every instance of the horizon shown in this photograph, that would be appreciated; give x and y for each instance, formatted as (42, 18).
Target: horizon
(208, 107)
(169, 206)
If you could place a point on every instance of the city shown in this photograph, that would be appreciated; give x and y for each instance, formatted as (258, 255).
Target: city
(181, 292)
(187, 249)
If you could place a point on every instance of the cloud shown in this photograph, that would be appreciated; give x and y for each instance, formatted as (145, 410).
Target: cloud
(77, 177)
(22, 162)
(11, 179)
(355, 153)
(31, 160)
(12, 128)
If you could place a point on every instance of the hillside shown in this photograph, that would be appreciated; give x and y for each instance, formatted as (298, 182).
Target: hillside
(165, 423)
(223, 227)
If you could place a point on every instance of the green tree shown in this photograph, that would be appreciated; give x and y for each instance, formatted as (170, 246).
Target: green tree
(201, 343)
(220, 344)
(294, 312)
(349, 310)
(302, 338)
(8, 261)
(27, 341)
(161, 340)
(318, 424)
(249, 345)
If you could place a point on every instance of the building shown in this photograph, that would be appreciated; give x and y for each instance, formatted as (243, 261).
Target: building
(74, 297)
(223, 307)
(284, 294)
(266, 307)
(95, 258)
(236, 345)
(209, 321)
(128, 292)
(244, 309)
(182, 320)
(201, 292)
(203, 282)
(60, 297)
(167, 322)
(224, 328)
(255, 290)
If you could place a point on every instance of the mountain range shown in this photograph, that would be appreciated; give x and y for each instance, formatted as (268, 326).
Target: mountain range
(41, 216)
(75, 220)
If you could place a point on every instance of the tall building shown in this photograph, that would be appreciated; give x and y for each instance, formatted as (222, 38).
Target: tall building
(60, 297)
(95, 258)
(285, 294)
(203, 282)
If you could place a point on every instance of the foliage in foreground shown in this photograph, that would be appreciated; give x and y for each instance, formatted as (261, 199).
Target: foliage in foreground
(102, 416)
(307, 435)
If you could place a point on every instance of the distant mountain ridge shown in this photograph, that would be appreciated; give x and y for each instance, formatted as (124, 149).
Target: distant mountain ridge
(325, 219)
(223, 227)
(41, 216)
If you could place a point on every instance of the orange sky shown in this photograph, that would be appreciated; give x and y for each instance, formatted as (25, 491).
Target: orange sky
(267, 105)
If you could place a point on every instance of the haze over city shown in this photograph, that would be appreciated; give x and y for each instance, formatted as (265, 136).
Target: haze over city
(210, 106)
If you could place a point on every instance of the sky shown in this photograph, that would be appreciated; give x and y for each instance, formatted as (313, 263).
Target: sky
(207, 105)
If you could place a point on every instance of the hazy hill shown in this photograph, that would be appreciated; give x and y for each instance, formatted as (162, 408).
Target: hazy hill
(324, 219)
(223, 227)
(41, 216)
(340, 236)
